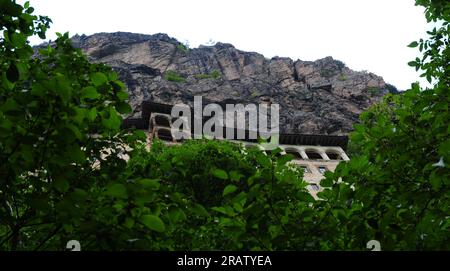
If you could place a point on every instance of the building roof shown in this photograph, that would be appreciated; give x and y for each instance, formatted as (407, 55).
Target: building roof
(149, 107)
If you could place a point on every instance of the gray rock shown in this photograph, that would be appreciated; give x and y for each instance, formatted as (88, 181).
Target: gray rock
(322, 97)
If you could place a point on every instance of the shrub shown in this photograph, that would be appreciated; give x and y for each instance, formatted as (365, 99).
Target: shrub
(340, 64)
(183, 48)
(343, 77)
(173, 76)
(214, 74)
(59, 118)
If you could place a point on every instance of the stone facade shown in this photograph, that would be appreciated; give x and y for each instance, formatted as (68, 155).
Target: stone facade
(314, 159)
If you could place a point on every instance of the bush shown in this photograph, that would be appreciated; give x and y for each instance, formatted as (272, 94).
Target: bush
(340, 64)
(214, 74)
(173, 76)
(60, 117)
(215, 195)
(343, 77)
(183, 48)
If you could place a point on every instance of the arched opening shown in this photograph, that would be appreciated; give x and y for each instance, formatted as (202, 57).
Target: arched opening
(161, 120)
(313, 155)
(333, 155)
(277, 154)
(164, 134)
(295, 153)
(249, 146)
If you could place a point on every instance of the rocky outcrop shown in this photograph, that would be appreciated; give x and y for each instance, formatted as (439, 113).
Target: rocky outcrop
(322, 97)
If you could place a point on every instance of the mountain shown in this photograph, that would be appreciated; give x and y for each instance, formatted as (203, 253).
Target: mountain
(315, 97)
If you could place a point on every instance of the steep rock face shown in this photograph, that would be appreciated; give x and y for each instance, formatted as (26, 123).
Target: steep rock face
(322, 97)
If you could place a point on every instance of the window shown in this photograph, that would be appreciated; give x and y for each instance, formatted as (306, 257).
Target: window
(313, 155)
(162, 121)
(333, 155)
(305, 169)
(165, 134)
(314, 187)
(271, 152)
(322, 169)
(295, 153)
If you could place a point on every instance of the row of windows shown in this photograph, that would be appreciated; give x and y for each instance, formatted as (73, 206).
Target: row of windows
(321, 169)
(314, 155)
(166, 135)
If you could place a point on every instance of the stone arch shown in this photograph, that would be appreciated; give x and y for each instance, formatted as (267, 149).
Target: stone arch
(164, 134)
(162, 120)
(333, 155)
(313, 154)
(295, 152)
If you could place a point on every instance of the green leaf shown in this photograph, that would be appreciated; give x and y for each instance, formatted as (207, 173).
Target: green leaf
(176, 215)
(92, 114)
(113, 121)
(149, 183)
(413, 44)
(123, 108)
(220, 210)
(436, 181)
(153, 222)
(221, 174)
(90, 93)
(129, 222)
(122, 95)
(18, 39)
(229, 189)
(412, 63)
(327, 182)
(117, 190)
(99, 79)
(61, 184)
(12, 74)
(235, 175)
(61, 86)
(200, 210)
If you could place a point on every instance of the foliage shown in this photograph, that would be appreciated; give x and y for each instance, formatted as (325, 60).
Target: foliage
(214, 74)
(59, 115)
(342, 77)
(183, 48)
(397, 187)
(63, 173)
(340, 64)
(209, 195)
(173, 76)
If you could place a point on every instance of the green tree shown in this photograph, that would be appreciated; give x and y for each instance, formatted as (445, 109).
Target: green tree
(59, 120)
(216, 195)
(397, 186)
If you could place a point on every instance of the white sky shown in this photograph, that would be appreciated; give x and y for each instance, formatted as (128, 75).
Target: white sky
(365, 34)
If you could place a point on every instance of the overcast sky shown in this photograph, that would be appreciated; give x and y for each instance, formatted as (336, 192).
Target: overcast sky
(365, 34)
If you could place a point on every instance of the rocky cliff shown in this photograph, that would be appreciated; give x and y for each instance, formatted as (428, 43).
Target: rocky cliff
(322, 96)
